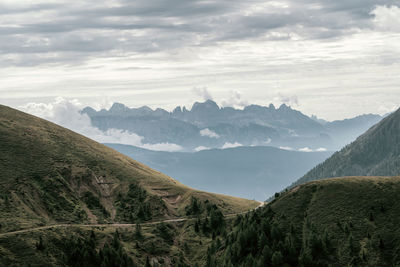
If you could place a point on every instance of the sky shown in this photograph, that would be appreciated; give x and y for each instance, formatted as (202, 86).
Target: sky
(334, 59)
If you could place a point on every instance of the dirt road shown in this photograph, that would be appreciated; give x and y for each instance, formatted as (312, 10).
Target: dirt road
(118, 225)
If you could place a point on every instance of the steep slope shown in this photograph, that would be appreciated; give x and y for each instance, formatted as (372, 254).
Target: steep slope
(376, 152)
(349, 221)
(347, 130)
(250, 172)
(50, 174)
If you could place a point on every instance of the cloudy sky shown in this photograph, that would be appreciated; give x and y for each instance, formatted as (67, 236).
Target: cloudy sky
(335, 59)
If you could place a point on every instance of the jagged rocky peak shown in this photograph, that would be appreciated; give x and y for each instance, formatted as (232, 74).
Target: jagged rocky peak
(145, 108)
(118, 107)
(88, 110)
(207, 105)
(284, 107)
(160, 112)
(177, 110)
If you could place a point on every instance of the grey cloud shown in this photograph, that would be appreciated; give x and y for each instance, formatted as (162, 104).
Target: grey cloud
(171, 8)
(89, 27)
(7, 9)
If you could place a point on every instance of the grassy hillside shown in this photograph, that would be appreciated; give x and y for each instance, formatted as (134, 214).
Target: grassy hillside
(377, 152)
(350, 221)
(50, 174)
(164, 244)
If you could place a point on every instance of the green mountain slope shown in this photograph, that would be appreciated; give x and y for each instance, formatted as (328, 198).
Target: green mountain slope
(377, 152)
(349, 221)
(50, 174)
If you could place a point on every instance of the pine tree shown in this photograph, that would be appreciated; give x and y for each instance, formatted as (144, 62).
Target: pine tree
(277, 259)
(40, 244)
(138, 232)
(147, 262)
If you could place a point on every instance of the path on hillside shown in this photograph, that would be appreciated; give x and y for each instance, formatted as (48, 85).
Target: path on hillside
(181, 219)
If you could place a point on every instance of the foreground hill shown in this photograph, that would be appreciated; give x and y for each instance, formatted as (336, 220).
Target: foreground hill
(50, 174)
(250, 172)
(376, 152)
(350, 221)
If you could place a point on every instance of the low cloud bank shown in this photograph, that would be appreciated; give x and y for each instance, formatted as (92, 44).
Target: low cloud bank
(231, 145)
(208, 133)
(307, 149)
(286, 148)
(200, 148)
(66, 113)
(304, 149)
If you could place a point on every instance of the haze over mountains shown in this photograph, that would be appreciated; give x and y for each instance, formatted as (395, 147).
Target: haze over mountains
(62, 197)
(348, 220)
(206, 125)
(248, 172)
(51, 174)
(253, 172)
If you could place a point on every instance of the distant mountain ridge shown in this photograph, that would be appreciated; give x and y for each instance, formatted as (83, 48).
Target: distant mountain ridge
(375, 153)
(255, 125)
(250, 172)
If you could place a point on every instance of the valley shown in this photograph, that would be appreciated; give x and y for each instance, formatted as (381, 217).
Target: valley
(69, 201)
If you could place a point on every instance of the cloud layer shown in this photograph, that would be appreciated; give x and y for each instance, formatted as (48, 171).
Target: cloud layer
(316, 54)
(90, 28)
(208, 133)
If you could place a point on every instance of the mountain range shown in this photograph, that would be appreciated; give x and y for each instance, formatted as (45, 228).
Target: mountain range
(249, 172)
(206, 125)
(51, 174)
(322, 221)
(66, 200)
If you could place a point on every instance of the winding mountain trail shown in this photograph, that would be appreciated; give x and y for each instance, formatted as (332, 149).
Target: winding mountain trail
(118, 225)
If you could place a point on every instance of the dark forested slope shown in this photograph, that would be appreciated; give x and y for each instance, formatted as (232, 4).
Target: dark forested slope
(376, 152)
(349, 221)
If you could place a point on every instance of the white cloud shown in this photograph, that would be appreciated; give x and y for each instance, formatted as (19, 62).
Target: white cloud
(170, 147)
(200, 148)
(203, 93)
(231, 145)
(208, 133)
(290, 100)
(66, 113)
(305, 149)
(262, 143)
(286, 148)
(235, 99)
(387, 18)
(248, 45)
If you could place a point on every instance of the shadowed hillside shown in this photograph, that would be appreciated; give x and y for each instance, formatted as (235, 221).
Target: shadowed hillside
(349, 221)
(376, 152)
